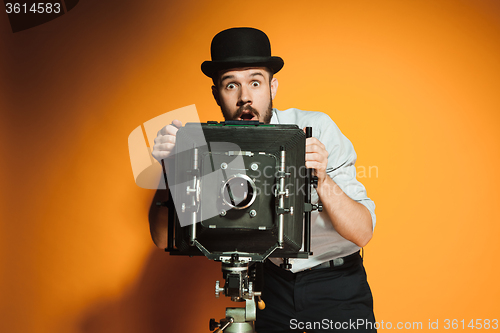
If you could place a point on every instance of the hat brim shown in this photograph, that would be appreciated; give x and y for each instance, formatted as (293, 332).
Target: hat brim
(211, 68)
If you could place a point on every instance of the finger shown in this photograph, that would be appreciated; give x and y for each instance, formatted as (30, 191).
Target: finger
(160, 155)
(168, 130)
(315, 165)
(165, 139)
(315, 157)
(315, 149)
(162, 151)
(164, 147)
(313, 141)
(177, 123)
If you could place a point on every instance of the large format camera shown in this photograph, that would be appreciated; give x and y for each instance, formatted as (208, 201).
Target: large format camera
(241, 194)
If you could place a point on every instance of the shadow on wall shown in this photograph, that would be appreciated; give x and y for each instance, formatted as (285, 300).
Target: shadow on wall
(174, 294)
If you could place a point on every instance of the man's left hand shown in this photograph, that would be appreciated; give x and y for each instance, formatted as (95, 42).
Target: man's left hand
(316, 158)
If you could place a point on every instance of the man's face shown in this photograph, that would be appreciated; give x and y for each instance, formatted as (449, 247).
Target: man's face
(246, 94)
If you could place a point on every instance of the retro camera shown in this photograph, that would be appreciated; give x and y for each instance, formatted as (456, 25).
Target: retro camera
(241, 194)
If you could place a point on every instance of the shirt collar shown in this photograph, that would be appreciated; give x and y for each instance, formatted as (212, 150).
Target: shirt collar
(274, 118)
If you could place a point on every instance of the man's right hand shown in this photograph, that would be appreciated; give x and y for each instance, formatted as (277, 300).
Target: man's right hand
(165, 141)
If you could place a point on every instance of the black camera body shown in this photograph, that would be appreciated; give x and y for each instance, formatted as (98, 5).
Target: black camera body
(238, 187)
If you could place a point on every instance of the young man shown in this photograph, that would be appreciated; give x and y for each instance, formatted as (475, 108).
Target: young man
(329, 290)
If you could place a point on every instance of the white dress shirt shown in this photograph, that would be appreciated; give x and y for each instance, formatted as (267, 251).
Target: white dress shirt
(326, 243)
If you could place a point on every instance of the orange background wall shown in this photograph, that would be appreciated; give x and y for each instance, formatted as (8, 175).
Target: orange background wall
(413, 84)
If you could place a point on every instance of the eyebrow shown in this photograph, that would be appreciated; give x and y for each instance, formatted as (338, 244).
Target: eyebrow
(226, 77)
(256, 74)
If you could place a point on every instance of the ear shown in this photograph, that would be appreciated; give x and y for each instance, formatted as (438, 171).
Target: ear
(215, 93)
(274, 87)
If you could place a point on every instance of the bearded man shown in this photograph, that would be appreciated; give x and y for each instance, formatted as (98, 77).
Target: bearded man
(330, 287)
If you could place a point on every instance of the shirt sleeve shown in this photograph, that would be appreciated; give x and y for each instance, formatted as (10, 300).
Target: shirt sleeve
(341, 163)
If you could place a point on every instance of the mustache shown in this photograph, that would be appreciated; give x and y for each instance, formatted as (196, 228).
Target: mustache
(244, 108)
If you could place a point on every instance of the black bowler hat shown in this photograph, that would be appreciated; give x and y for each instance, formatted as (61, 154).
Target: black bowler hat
(240, 47)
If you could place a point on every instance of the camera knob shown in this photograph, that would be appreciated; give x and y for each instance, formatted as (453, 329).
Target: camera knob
(286, 264)
(218, 289)
(314, 181)
(213, 324)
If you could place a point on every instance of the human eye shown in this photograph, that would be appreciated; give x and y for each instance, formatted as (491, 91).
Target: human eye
(255, 84)
(230, 86)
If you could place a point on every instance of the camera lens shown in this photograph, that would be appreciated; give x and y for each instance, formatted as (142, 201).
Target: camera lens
(238, 192)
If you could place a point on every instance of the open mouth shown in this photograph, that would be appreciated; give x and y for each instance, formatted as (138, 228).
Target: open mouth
(247, 115)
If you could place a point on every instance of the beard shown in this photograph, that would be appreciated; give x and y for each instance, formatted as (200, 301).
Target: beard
(267, 113)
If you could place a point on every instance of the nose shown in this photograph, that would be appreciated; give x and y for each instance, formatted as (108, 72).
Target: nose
(245, 96)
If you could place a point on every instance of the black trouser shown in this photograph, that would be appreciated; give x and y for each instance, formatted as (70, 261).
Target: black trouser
(318, 300)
